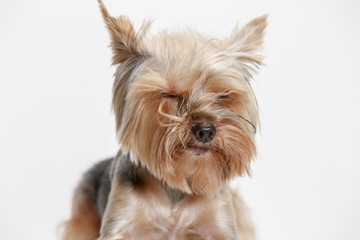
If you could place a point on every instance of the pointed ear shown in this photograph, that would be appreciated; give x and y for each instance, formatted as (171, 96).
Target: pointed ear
(246, 42)
(125, 42)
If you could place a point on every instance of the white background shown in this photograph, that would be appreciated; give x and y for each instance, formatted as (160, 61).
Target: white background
(56, 119)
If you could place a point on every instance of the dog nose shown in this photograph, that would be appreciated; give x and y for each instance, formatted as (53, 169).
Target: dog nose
(203, 133)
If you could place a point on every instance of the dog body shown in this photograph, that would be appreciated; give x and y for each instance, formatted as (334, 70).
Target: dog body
(186, 117)
(142, 207)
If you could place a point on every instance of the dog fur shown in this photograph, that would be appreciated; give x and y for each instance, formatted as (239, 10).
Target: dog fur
(186, 117)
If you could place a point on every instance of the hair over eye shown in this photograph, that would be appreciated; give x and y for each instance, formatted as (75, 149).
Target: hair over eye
(170, 95)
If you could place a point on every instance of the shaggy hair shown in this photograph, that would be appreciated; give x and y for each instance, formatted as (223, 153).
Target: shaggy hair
(167, 182)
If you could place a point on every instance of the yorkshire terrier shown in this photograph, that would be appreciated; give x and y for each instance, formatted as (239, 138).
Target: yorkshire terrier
(186, 117)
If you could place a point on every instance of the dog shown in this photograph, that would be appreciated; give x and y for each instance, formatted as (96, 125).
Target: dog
(186, 117)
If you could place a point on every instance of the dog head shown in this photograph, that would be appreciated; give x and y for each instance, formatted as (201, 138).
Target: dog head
(184, 105)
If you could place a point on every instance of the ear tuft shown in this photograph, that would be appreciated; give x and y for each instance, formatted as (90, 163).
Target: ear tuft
(245, 43)
(124, 40)
(252, 34)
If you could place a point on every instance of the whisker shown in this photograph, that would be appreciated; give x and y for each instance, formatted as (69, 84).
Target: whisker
(228, 114)
(248, 121)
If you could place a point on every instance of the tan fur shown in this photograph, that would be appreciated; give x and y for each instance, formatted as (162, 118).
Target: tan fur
(164, 86)
(147, 213)
(85, 222)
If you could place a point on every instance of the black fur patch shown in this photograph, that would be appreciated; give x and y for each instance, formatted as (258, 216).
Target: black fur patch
(129, 173)
(96, 184)
(175, 195)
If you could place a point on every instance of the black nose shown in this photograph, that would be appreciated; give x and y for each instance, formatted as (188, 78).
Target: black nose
(203, 133)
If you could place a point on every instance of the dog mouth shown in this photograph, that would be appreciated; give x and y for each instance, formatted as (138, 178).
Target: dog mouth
(197, 151)
(194, 149)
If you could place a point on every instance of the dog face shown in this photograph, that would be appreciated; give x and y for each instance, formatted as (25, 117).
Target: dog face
(183, 103)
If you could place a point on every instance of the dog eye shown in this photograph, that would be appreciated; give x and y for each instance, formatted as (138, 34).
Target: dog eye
(223, 98)
(168, 95)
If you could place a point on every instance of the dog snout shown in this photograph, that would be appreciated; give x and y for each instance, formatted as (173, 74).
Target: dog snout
(204, 132)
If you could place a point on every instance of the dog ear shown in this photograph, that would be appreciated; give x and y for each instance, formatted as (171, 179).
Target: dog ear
(125, 42)
(245, 43)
